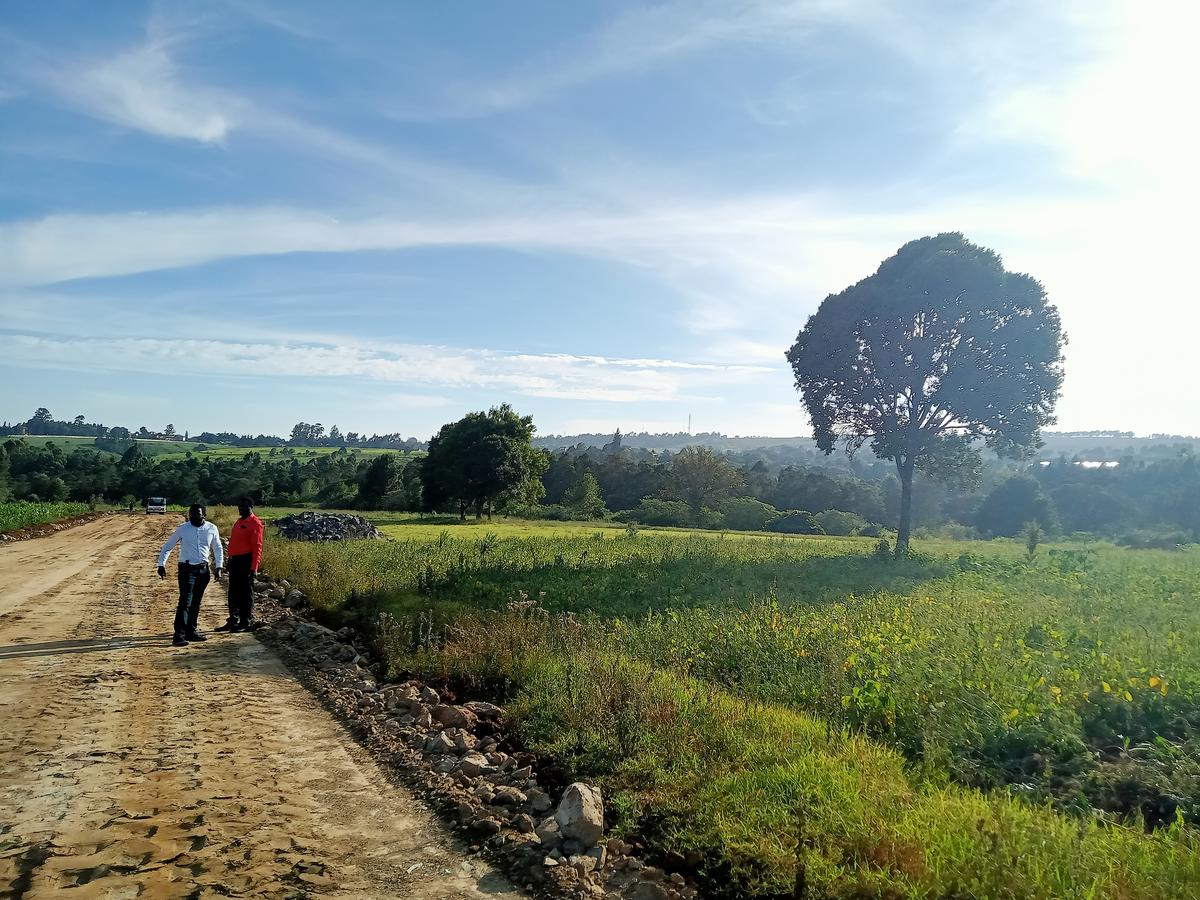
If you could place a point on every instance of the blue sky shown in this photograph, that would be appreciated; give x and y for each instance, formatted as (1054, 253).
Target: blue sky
(242, 214)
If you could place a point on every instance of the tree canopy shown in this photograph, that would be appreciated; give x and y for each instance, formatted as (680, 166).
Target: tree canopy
(701, 478)
(584, 498)
(940, 347)
(1014, 504)
(483, 460)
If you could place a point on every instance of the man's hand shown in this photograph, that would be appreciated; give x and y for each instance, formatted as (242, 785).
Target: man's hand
(162, 571)
(218, 573)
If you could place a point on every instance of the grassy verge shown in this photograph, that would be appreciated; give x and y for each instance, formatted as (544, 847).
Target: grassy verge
(18, 515)
(796, 705)
(765, 793)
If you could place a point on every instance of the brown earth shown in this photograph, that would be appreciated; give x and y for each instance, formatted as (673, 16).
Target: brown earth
(129, 768)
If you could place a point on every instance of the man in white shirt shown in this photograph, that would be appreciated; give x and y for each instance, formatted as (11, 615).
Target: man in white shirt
(196, 539)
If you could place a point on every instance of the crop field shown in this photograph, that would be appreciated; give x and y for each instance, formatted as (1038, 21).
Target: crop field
(411, 526)
(14, 516)
(966, 722)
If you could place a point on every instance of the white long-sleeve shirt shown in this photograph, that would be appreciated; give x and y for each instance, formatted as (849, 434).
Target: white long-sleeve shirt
(194, 544)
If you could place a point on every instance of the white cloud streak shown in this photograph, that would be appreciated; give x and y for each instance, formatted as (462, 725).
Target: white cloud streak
(142, 88)
(64, 247)
(139, 88)
(550, 376)
(646, 37)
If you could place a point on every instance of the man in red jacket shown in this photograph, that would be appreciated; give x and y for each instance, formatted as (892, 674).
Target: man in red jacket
(245, 553)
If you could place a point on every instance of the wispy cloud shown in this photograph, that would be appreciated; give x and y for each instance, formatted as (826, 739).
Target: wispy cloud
(553, 376)
(64, 247)
(739, 266)
(139, 87)
(646, 37)
(142, 87)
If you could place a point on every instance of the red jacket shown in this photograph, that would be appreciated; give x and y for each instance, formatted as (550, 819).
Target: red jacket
(247, 537)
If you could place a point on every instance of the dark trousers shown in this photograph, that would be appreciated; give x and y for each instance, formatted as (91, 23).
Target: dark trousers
(241, 588)
(193, 579)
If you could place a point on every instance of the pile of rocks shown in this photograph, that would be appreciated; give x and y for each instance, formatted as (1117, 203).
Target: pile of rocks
(280, 590)
(453, 754)
(315, 526)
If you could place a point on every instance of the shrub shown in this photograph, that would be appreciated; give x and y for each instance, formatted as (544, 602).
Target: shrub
(795, 521)
(344, 498)
(950, 531)
(553, 512)
(584, 498)
(395, 501)
(659, 512)
(838, 523)
(1147, 539)
(1014, 503)
(746, 514)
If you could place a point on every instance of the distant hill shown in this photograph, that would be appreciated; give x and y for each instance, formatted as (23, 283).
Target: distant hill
(1088, 444)
(1110, 445)
(672, 442)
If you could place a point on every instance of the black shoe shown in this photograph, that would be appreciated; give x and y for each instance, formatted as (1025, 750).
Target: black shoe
(180, 641)
(228, 626)
(196, 636)
(252, 626)
(237, 627)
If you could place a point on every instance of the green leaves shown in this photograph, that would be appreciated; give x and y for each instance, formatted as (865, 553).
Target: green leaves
(481, 460)
(939, 347)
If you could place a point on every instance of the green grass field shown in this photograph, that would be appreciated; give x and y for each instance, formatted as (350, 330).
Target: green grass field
(14, 516)
(411, 526)
(964, 723)
(67, 444)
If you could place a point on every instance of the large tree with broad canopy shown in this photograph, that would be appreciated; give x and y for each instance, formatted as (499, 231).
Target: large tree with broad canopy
(483, 459)
(942, 347)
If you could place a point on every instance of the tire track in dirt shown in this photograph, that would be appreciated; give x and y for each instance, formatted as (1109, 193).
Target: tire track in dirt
(129, 768)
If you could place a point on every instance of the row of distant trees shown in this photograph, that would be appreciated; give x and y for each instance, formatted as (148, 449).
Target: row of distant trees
(482, 465)
(303, 434)
(42, 422)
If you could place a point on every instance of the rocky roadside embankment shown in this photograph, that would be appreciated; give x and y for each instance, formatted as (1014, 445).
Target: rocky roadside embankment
(44, 528)
(551, 841)
(320, 527)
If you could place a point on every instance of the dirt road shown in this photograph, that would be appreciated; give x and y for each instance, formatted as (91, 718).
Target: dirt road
(129, 768)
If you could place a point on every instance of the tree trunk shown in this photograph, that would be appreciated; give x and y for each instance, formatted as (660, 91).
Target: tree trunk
(905, 469)
(462, 510)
